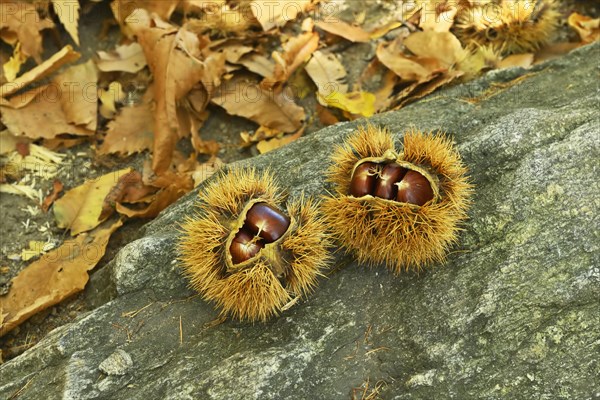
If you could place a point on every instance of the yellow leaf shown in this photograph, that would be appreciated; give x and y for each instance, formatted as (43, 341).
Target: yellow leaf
(13, 66)
(68, 13)
(80, 208)
(35, 249)
(361, 103)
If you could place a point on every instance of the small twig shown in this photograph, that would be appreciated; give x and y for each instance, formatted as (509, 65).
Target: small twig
(132, 314)
(180, 331)
(376, 350)
(20, 391)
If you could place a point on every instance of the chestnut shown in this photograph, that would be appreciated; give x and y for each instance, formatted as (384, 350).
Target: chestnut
(385, 186)
(267, 222)
(244, 246)
(363, 179)
(414, 188)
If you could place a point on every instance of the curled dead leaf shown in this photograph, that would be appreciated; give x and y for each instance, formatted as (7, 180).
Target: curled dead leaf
(57, 275)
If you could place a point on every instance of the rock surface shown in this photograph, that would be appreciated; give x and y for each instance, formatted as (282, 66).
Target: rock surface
(514, 314)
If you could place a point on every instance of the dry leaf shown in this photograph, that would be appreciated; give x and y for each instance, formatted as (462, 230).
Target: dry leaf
(13, 65)
(68, 14)
(64, 56)
(172, 57)
(57, 187)
(271, 14)
(132, 131)
(8, 142)
(260, 134)
(157, 202)
(345, 30)
(127, 58)
(233, 52)
(268, 145)
(108, 99)
(54, 277)
(326, 116)
(408, 68)
(295, 52)
(42, 115)
(524, 60)
(258, 64)
(80, 208)
(272, 108)
(357, 103)
(79, 98)
(442, 46)
(35, 249)
(588, 28)
(328, 73)
(21, 22)
(437, 22)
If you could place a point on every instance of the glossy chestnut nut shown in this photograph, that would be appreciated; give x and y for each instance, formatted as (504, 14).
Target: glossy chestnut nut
(266, 222)
(244, 246)
(363, 179)
(414, 188)
(385, 186)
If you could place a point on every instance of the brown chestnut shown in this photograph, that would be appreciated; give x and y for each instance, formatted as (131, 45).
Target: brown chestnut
(244, 246)
(267, 222)
(414, 188)
(363, 179)
(385, 186)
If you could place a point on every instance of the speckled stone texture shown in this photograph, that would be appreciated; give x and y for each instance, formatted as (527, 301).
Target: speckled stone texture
(514, 314)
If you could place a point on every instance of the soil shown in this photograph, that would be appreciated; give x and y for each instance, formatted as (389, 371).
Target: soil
(25, 222)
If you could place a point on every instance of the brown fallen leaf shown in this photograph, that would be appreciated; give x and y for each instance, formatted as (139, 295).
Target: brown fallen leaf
(442, 46)
(275, 109)
(80, 209)
(431, 20)
(327, 72)
(68, 14)
(152, 205)
(259, 64)
(127, 58)
(132, 131)
(588, 28)
(272, 14)
(326, 116)
(296, 52)
(79, 98)
(64, 56)
(39, 114)
(420, 90)
(524, 60)
(343, 29)
(57, 187)
(21, 22)
(173, 59)
(54, 277)
(129, 187)
(408, 68)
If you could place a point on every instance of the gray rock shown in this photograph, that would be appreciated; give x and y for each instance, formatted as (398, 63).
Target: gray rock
(514, 314)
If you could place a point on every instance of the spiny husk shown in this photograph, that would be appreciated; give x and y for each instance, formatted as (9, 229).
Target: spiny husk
(254, 292)
(400, 235)
(519, 25)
